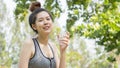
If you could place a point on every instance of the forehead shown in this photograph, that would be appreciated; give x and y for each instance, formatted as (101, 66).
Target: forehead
(43, 14)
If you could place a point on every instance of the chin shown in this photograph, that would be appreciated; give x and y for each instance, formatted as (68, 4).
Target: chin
(47, 32)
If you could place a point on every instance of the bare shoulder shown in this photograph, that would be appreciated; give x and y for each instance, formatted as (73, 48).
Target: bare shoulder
(28, 46)
(28, 42)
(25, 53)
(53, 46)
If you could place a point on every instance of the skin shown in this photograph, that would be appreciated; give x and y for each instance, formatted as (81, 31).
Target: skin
(43, 25)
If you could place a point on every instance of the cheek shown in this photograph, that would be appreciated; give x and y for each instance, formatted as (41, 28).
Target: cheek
(39, 25)
(51, 25)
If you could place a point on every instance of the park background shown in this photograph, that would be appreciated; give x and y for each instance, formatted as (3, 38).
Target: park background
(94, 27)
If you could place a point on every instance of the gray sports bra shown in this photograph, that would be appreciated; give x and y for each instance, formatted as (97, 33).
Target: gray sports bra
(39, 60)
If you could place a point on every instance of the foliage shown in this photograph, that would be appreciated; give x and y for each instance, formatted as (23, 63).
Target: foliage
(101, 21)
(3, 50)
(74, 12)
(22, 7)
(12, 35)
(54, 7)
(104, 26)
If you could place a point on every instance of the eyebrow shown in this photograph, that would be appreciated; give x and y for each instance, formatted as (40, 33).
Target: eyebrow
(45, 17)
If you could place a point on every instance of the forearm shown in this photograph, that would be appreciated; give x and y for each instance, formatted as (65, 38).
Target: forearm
(63, 41)
(62, 60)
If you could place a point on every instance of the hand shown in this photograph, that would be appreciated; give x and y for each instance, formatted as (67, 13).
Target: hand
(63, 41)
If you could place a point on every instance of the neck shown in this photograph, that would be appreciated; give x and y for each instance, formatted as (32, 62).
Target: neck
(43, 39)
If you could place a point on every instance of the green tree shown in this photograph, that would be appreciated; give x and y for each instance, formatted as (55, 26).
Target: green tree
(100, 21)
(3, 51)
(104, 26)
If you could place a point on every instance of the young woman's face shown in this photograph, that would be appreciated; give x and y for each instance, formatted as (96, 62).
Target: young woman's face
(43, 23)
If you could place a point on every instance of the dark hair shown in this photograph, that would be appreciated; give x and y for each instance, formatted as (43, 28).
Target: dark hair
(35, 8)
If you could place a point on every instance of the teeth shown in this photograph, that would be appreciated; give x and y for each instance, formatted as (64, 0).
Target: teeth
(46, 27)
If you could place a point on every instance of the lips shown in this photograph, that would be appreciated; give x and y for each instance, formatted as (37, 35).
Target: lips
(46, 27)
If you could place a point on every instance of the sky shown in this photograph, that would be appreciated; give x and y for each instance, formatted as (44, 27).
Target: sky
(10, 4)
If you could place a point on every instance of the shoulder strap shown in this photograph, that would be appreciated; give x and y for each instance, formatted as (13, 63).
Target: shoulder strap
(34, 43)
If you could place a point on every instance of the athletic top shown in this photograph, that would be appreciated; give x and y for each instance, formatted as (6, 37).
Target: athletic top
(39, 60)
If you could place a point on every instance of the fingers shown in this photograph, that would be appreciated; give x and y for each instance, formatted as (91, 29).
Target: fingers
(64, 39)
(65, 43)
(67, 35)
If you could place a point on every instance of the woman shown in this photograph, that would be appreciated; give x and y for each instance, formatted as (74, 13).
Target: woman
(39, 52)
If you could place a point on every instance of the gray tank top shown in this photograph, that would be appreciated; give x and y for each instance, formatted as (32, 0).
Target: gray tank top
(39, 60)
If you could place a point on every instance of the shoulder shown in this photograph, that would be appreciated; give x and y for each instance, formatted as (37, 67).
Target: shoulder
(54, 47)
(26, 52)
(27, 45)
(52, 44)
(28, 42)
(27, 48)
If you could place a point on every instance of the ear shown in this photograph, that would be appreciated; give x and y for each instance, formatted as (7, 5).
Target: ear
(34, 26)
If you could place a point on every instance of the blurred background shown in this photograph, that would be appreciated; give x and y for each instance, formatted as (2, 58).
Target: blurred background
(94, 27)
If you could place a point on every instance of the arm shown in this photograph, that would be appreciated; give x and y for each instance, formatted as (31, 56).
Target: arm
(25, 54)
(60, 63)
(63, 42)
(62, 60)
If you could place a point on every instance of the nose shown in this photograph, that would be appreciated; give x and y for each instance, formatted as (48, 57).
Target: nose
(45, 22)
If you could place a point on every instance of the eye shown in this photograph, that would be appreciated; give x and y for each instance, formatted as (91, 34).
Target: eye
(48, 18)
(40, 20)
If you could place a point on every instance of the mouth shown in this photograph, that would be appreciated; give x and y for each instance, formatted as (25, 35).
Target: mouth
(46, 27)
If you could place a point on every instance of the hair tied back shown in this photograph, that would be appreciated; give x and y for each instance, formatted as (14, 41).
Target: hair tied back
(34, 5)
